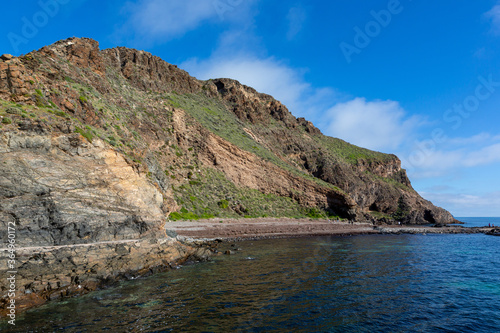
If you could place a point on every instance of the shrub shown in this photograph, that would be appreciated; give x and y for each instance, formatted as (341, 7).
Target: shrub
(175, 216)
(13, 110)
(403, 210)
(86, 134)
(184, 215)
(315, 213)
(223, 204)
(39, 101)
(61, 113)
(83, 99)
(6, 120)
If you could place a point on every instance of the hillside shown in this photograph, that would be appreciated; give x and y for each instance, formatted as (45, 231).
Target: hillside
(101, 148)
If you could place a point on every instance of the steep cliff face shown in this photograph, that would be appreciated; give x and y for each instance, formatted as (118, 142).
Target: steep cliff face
(80, 214)
(374, 182)
(60, 189)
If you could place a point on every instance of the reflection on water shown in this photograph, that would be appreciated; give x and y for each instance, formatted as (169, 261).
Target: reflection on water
(328, 284)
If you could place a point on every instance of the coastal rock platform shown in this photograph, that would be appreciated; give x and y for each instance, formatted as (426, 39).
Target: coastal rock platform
(260, 228)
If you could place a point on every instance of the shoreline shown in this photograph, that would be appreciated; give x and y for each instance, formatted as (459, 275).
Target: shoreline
(269, 228)
(198, 240)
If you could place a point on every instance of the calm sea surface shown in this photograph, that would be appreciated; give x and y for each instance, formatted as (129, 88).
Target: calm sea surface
(376, 283)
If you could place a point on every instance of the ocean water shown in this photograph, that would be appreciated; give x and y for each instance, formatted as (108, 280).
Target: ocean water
(479, 221)
(372, 283)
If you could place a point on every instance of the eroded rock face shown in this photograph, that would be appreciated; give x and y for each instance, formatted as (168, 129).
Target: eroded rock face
(246, 169)
(149, 72)
(82, 216)
(250, 105)
(61, 189)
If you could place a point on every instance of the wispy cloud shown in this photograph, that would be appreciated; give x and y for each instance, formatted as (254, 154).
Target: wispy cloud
(378, 125)
(485, 156)
(296, 18)
(151, 20)
(494, 16)
(455, 154)
(169, 18)
(464, 204)
(267, 75)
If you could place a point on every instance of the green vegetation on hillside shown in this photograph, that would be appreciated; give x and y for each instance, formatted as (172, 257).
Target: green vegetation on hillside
(213, 195)
(215, 116)
(349, 152)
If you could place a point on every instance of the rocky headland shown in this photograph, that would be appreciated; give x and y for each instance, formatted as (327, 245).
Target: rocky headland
(101, 149)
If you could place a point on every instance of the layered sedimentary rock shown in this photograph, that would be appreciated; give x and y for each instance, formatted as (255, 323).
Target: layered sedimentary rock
(81, 215)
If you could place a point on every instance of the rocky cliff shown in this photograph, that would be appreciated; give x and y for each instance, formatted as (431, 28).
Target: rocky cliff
(99, 147)
(80, 215)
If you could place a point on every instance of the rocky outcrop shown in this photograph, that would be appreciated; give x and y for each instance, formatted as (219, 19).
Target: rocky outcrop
(250, 105)
(60, 189)
(53, 272)
(494, 232)
(148, 72)
(81, 215)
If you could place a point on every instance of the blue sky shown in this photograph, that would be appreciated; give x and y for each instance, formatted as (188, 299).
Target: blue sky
(415, 78)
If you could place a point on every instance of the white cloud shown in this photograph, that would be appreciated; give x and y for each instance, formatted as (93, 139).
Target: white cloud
(475, 139)
(266, 75)
(164, 20)
(170, 18)
(464, 204)
(494, 16)
(484, 156)
(296, 18)
(430, 159)
(377, 125)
